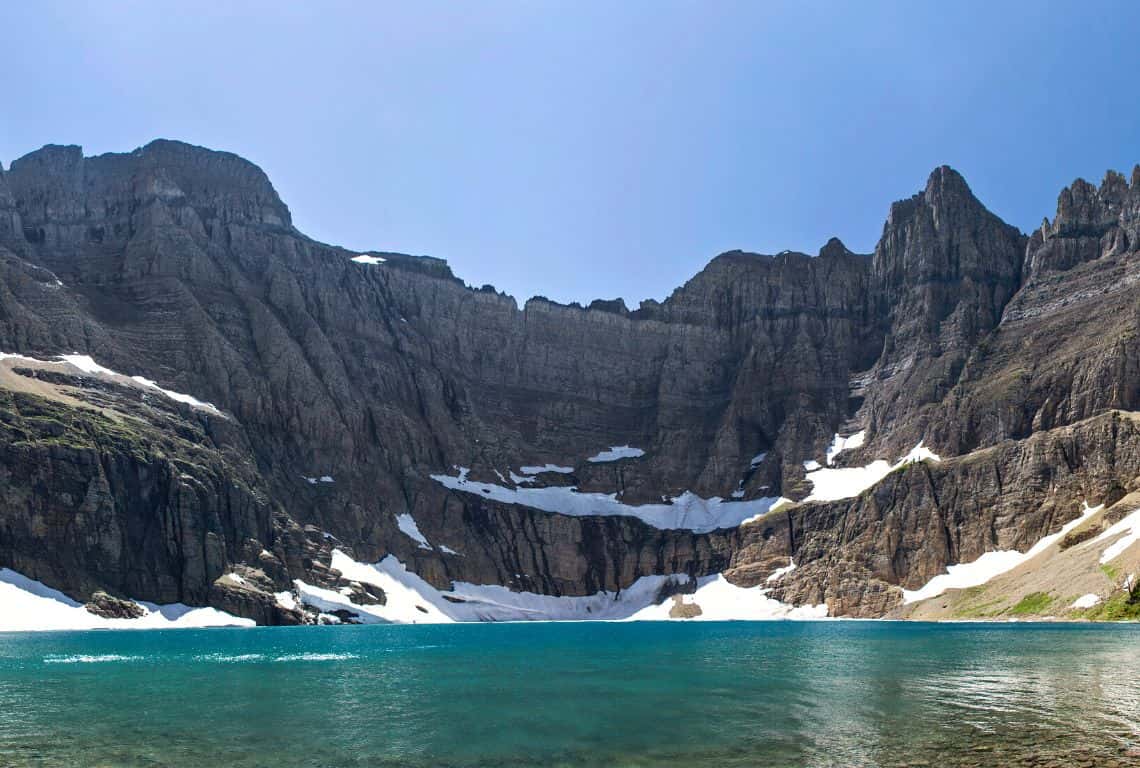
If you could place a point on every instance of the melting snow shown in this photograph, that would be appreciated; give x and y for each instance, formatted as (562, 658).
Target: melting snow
(27, 605)
(286, 601)
(1085, 601)
(841, 444)
(721, 600)
(776, 574)
(990, 564)
(410, 599)
(87, 364)
(364, 258)
(407, 524)
(834, 484)
(687, 512)
(1130, 527)
(546, 468)
(615, 453)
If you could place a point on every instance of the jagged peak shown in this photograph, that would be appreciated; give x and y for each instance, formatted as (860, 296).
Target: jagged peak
(834, 248)
(944, 181)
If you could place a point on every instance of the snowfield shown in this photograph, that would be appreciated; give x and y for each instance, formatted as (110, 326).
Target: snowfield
(407, 525)
(990, 564)
(687, 512)
(830, 484)
(411, 600)
(27, 605)
(616, 453)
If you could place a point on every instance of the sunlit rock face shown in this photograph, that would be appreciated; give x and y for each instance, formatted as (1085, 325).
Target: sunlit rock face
(342, 382)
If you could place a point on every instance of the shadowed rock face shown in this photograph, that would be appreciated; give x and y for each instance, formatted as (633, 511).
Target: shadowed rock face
(181, 265)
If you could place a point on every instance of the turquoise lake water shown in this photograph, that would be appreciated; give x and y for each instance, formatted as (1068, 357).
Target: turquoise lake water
(589, 694)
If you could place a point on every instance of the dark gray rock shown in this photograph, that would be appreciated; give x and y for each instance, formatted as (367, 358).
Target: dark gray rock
(181, 265)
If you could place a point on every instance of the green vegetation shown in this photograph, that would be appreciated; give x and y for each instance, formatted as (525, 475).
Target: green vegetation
(1110, 572)
(1034, 603)
(1122, 606)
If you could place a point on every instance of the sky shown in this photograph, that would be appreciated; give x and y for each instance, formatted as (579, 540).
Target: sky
(582, 150)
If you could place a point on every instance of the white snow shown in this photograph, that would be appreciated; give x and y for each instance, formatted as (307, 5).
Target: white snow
(991, 564)
(364, 258)
(738, 493)
(410, 599)
(520, 479)
(449, 551)
(833, 484)
(776, 574)
(286, 600)
(407, 524)
(1085, 601)
(326, 478)
(758, 459)
(86, 364)
(27, 605)
(546, 468)
(720, 600)
(841, 444)
(1129, 527)
(687, 512)
(176, 396)
(615, 453)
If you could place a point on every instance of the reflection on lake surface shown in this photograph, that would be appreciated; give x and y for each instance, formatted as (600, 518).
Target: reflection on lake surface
(744, 694)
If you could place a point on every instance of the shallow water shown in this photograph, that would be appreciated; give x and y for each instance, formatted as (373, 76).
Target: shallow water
(649, 694)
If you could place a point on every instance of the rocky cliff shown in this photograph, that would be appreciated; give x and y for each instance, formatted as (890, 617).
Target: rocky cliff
(332, 396)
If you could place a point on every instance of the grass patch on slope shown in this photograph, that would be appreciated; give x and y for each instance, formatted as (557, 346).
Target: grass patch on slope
(1034, 603)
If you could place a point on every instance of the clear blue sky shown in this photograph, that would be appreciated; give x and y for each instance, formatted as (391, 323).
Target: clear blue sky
(593, 149)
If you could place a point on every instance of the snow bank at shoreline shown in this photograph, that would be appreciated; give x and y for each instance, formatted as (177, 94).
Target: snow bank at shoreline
(27, 605)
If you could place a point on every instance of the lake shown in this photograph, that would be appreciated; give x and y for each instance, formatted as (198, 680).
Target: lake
(828, 693)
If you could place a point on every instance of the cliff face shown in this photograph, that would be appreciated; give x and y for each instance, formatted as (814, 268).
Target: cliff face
(181, 265)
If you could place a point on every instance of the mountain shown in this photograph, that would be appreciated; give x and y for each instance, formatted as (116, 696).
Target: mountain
(297, 432)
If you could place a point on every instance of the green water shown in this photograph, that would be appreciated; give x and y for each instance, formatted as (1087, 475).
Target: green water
(740, 694)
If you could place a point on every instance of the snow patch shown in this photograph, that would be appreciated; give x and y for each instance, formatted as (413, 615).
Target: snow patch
(407, 524)
(86, 364)
(991, 564)
(776, 574)
(687, 512)
(721, 600)
(616, 453)
(27, 605)
(1129, 527)
(1085, 601)
(758, 459)
(841, 444)
(846, 482)
(546, 468)
(364, 258)
(412, 600)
